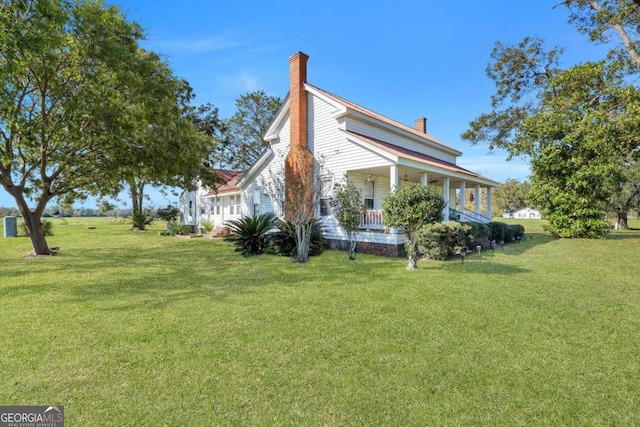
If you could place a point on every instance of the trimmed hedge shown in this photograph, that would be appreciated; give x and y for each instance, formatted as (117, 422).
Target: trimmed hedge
(441, 240)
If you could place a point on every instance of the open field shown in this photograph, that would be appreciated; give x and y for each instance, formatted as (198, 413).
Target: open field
(128, 328)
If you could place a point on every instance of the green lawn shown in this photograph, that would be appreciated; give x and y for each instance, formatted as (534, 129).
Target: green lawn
(137, 329)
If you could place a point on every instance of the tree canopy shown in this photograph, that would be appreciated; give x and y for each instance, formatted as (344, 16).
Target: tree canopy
(83, 107)
(575, 124)
(243, 141)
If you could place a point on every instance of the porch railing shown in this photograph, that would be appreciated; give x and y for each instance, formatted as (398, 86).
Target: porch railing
(372, 220)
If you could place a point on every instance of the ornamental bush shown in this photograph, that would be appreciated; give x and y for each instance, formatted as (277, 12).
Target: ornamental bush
(440, 240)
(283, 241)
(249, 234)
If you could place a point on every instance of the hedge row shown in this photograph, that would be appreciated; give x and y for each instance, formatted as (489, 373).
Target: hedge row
(441, 240)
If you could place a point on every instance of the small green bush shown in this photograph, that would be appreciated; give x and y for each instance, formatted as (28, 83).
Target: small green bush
(249, 234)
(141, 220)
(172, 228)
(47, 228)
(478, 229)
(440, 240)
(206, 226)
(496, 231)
(283, 241)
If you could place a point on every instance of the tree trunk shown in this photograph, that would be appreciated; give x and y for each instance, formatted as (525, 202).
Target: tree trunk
(32, 220)
(352, 246)
(137, 196)
(412, 252)
(303, 241)
(622, 221)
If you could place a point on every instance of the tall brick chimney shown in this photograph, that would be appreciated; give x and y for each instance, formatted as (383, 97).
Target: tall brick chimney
(421, 124)
(299, 163)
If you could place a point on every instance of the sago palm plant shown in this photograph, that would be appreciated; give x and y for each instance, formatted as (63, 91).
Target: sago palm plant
(249, 234)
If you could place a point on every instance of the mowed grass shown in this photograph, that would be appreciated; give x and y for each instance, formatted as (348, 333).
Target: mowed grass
(127, 328)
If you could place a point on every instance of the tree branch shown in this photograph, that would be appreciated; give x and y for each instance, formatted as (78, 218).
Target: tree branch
(626, 40)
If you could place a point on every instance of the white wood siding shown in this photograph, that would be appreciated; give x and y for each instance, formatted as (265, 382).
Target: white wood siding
(329, 143)
(393, 138)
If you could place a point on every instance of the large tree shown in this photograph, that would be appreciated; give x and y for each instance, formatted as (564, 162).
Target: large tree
(244, 141)
(62, 66)
(574, 124)
(164, 146)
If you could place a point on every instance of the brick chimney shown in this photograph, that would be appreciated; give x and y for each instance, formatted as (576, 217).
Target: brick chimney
(299, 163)
(421, 124)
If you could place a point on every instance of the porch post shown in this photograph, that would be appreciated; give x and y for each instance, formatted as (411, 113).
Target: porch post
(462, 198)
(393, 178)
(489, 208)
(446, 194)
(424, 179)
(477, 198)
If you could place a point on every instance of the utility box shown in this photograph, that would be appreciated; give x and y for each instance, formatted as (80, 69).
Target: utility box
(10, 226)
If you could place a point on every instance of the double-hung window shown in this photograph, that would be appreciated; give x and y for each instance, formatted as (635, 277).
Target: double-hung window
(326, 195)
(369, 194)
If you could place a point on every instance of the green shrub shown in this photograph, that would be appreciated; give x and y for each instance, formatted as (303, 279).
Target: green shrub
(518, 231)
(283, 241)
(509, 233)
(206, 226)
(141, 220)
(479, 231)
(186, 229)
(440, 240)
(497, 231)
(172, 228)
(47, 229)
(249, 234)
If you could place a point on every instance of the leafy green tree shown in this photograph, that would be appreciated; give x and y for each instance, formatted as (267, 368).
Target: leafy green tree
(601, 19)
(626, 195)
(164, 146)
(411, 208)
(348, 209)
(244, 141)
(62, 66)
(574, 124)
(511, 195)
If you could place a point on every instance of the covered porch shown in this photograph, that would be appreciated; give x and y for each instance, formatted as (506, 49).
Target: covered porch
(467, 195)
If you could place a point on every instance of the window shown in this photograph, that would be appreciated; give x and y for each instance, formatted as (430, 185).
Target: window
(218, 203)
(234, 205)
(369, 193)
(326, 195)
(256, 201)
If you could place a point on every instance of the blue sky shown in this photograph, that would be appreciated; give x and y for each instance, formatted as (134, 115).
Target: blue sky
(403, 59)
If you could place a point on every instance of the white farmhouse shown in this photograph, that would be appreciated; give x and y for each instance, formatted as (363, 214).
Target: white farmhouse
(339, 140)
(524, 213)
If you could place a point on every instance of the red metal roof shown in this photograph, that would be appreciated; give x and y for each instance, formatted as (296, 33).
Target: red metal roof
(413, 155)
(230, 178)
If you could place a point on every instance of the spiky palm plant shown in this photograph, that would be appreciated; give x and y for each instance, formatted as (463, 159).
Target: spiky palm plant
(283, 241)
(249, 234)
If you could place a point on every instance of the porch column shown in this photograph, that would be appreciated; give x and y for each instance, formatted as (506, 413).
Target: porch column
(424, 179)
(477, 198)
(446, 194)
(489, 208)
(462, 198)
(393, 178)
